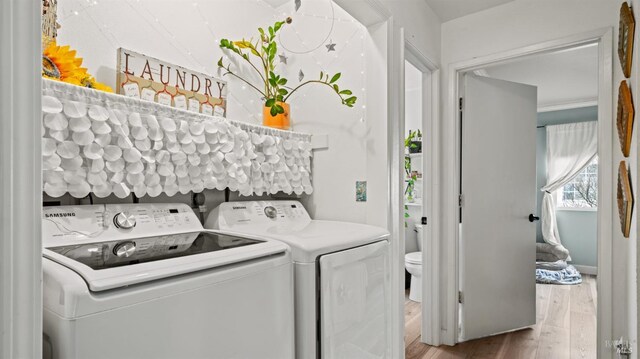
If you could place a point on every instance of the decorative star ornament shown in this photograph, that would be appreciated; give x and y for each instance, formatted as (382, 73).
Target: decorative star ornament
(331, 46)
(298, 4)
(283, 58)
(300, 76)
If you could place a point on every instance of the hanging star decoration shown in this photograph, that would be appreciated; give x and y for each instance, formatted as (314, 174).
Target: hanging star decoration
(300, 76)
(331, 46)
(298, 4)
(283, 58)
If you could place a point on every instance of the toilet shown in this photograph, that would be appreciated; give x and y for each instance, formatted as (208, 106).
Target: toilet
(413, 263)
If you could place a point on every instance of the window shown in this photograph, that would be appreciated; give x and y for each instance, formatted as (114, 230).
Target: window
(582, 191)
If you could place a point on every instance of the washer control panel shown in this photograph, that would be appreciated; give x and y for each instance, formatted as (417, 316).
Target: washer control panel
(62, 225)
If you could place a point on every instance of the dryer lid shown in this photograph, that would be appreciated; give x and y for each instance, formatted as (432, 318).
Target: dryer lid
(289, 222)
(315, 238)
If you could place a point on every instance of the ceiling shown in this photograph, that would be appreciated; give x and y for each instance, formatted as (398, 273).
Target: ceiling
(276, 3)
(565, 79)
(452, 9)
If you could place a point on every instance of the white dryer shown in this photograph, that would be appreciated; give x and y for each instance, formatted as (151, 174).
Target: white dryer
(146, 281)
(342, 276)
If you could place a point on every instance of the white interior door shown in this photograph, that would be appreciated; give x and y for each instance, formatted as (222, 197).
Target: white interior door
(497, 243)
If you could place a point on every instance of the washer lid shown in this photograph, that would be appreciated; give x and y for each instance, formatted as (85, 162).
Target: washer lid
(309, 240)
(413, 257)
(158, 257)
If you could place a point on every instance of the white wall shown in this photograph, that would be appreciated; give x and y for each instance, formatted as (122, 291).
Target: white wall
(421, 27)
(412, 98)
(522, 23)
(420, 23)
(187, 34)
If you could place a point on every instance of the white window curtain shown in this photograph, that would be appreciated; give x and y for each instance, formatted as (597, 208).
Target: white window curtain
(570, 148)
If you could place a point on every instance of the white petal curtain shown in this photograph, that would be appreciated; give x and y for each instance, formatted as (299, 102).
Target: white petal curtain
(570, 148)
(100, 143)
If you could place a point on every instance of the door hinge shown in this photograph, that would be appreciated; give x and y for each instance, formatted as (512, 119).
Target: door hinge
(460, 297)
(424, 221)
(460, 104)
(460, 199)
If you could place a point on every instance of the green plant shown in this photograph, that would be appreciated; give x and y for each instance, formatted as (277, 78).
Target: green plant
(275, 87)
(410, 178)
(406, 215)
(414, 136)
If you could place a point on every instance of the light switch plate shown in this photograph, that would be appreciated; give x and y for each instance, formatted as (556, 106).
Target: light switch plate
(361, 191)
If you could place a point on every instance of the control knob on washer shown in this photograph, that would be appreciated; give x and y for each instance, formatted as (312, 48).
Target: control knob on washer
(124, 249)
(270, 212)
(124, 220)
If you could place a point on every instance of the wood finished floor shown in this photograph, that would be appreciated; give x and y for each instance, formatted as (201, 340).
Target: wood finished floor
(566, 328)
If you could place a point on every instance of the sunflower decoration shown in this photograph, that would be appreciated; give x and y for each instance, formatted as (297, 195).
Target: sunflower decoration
(90, 82)
(60, 63)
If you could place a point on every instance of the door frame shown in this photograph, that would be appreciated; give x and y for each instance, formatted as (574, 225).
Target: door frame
(381, 25)
(604, 38)
(20, 180)
(430, 326)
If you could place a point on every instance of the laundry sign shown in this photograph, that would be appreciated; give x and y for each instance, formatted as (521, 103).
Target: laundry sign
(154, 80)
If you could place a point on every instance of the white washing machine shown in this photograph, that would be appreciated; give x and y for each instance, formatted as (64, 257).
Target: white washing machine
(146, 281)
(341, 271)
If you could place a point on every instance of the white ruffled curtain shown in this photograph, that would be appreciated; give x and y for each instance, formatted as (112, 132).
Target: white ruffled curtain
(570, 148)
(102, 143)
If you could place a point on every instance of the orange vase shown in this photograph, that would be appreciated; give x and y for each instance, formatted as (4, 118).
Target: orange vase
(279, 121)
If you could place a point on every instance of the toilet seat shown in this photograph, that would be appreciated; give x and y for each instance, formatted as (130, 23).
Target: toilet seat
(413, 257)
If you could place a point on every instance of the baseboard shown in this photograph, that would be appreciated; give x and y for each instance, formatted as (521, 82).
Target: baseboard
(591, 270)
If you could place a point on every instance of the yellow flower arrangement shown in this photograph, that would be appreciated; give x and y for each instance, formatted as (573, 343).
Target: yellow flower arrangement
(90, 82)
(60, 63)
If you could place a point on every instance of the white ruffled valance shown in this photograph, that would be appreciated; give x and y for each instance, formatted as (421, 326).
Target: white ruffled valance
(101, 143)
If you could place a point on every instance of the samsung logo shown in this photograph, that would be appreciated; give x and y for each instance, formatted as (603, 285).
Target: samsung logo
(59, 215)
(239, 207)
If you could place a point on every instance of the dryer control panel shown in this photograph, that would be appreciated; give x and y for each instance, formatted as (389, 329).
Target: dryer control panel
(257, 213)
(63, 225)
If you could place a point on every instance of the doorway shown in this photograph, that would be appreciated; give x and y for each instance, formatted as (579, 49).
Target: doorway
(418, 148)
(542, 155)
(601, 44)
(413, 199)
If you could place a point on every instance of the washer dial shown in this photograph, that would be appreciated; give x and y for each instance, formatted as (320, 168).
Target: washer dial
(270, 212)
(124, 220)
(124, 249)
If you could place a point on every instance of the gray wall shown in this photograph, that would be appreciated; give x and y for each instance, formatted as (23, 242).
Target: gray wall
(578, 229)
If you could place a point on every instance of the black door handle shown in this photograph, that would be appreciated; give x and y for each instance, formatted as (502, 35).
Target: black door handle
(533, 218)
